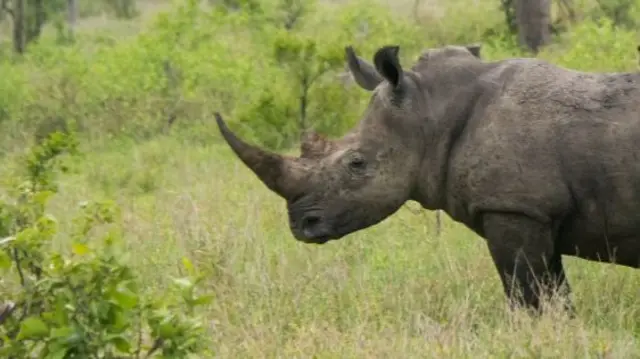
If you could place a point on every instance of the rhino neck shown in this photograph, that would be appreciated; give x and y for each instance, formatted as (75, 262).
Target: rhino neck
(453, 96)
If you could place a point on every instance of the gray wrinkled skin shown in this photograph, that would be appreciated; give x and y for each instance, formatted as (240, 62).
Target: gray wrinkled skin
(539, 160)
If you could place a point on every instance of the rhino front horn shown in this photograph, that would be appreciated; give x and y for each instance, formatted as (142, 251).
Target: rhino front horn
(280, 174)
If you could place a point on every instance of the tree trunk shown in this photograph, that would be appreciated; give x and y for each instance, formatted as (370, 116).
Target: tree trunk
(534, 23)
(18, 26)
(39, 18)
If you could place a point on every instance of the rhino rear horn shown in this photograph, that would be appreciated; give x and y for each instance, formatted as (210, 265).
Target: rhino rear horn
(363, 72)
(280, 174)
(313, 144)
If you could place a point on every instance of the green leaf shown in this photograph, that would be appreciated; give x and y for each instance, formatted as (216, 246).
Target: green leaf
(188, 265)
(124, 297)
(121, 344)
(120, 322)
(47, 224)
(182, 282)
(167, 328)
(33, 328)
(63, 332)
(59, 353)
(42, 197)
(5, 260)
(80, 249)
(202, 300)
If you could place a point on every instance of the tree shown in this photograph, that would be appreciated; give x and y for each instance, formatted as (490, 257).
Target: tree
(28, 18)
(15, 9)
(533, 18)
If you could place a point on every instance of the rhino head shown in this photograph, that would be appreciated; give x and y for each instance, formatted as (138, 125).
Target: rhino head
(337, 187)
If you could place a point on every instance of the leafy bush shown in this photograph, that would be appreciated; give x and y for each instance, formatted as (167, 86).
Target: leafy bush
(598, 46)
(231, 61)
(620, 12)
(88, 303)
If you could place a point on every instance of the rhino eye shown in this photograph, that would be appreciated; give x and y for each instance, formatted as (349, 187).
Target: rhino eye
(357, 163)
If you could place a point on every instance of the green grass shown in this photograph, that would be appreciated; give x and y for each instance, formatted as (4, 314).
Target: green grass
(395, 290)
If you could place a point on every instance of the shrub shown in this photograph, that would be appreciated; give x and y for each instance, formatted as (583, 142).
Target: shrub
(253, 63)
(87, 303)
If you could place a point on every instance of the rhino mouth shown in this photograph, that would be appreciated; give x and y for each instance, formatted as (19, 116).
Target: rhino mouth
(313, 228)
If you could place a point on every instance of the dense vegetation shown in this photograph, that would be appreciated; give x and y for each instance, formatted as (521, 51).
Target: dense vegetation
(127, 226)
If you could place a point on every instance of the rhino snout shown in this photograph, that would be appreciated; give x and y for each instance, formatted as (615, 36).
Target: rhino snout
(313, 228)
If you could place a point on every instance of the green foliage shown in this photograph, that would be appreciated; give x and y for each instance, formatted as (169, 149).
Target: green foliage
(271, 67)
(303, 59)
(620, 12)
(256, 73)
(89, 303)
(600, 46)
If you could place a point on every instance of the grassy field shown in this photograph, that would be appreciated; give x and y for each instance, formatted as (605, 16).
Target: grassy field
(395, 290)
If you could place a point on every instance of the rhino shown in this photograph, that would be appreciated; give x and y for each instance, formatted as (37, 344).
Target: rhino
(538, 160)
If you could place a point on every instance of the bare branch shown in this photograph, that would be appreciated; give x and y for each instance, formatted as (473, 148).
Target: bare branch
(157, 344)
(16, 259)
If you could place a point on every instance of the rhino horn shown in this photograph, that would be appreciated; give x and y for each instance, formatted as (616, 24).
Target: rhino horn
(313, 144)
(280, 174)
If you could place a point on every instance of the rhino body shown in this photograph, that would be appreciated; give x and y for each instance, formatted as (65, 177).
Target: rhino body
(539, 160)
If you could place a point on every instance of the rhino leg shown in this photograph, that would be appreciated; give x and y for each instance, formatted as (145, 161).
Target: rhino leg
(524, 254)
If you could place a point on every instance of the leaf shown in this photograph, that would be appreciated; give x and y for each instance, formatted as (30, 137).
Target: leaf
(124, 297)
(42, 197)
(59, 353)
(5, 260)
(202, 300)
(182, 282)
(121, 344)
(188, 265)
(80, 249)
(167, 328)
(63, 332)
(32, 328)
(120, 322)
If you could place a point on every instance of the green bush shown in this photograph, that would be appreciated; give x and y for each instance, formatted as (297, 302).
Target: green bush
(623, 13)
(88, 303)
(252, 62)
(598, 46)
(230, 61)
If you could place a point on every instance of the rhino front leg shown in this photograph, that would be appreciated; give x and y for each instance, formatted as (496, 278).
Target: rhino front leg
(524, 254)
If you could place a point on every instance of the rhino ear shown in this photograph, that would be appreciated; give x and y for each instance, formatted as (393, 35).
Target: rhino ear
(388, 65)
(363, 72)
(475, 50)
(313, 145)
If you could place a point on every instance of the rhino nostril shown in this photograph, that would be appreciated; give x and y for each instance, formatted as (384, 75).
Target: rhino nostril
(310, 221)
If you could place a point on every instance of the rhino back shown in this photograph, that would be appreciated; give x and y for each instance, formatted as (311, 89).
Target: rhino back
(558, 144)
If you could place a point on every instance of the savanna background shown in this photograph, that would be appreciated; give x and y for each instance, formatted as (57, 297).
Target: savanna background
(131, 230)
